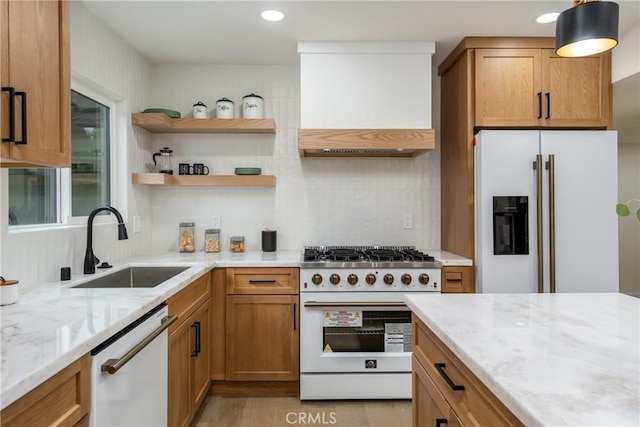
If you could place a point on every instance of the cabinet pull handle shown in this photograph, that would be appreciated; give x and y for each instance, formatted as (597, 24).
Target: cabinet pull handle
(194, 353)
(539, 105)
(113, 365)
(440, 421)
(548, 95)
(12, 114)
(294, 316)
(23, 95)
(198, 338)
(457, 279)
(440, 367)
(261, 282)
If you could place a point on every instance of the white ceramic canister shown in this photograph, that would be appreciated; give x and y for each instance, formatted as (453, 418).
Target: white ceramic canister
(8, 291)
(252, 106)
(224, 108)
(200, 111)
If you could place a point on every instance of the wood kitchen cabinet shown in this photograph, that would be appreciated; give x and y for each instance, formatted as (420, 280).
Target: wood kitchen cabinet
(35, 65)
(536, 88)
(502, 83)
(262, 319)
(63, 399)
(189, 351)
(458, 279)
(446, 392)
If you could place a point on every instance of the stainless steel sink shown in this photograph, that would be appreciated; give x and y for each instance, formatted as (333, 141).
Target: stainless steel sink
(134, 277)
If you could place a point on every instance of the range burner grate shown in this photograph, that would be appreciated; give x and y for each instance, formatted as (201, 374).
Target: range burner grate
(364, 254)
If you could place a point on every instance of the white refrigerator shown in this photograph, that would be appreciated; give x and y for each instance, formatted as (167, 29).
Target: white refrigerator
(545, 211)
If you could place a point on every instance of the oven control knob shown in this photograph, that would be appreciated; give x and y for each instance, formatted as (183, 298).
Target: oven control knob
(352, 279)
(316, 279)
(406, 279)
(334, 279)
(388, 279)
(371, 278)
(423, 278)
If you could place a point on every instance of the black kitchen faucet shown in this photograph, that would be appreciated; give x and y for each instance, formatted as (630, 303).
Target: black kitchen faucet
(90, 260)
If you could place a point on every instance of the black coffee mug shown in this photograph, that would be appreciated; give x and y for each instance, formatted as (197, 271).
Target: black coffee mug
(185, 169)
(200, 169)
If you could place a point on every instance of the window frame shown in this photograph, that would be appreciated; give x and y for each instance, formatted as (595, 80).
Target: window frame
(118, 109)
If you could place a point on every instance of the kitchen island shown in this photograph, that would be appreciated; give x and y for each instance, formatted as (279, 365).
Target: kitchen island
(550, 359)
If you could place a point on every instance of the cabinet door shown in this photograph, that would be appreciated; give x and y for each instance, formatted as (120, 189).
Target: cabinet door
(36, 62)
(262, 337)
(200, 362)
(180, 348)
(508, 87)
(429, 407)
(458, 280)
(576, 90)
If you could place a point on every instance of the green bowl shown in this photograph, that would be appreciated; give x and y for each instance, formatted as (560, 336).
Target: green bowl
(248, 171)
(171, 113)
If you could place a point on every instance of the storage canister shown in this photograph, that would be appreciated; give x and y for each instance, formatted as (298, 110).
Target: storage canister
(252, 106)
(237, 244)
(199, 111)
(186, 243)
(224, 108)
(8, 291)
(212, 240)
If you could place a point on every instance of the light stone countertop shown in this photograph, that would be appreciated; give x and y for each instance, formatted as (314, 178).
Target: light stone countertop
(53, 324)
(552, 359)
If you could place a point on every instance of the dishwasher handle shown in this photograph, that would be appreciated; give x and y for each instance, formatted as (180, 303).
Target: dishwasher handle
(112, 366)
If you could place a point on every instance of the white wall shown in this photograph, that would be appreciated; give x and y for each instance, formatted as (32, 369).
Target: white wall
(97, 56)
(315, 201)
(625, 58)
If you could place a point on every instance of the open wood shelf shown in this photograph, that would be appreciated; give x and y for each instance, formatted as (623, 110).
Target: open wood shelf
(203, 180)
(161, 123)
(365, 142)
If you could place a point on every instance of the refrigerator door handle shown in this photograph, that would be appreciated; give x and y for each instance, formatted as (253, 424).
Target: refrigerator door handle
(552, 224)
(538, 168)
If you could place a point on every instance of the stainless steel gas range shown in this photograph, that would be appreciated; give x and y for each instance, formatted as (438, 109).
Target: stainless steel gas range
(355, 330)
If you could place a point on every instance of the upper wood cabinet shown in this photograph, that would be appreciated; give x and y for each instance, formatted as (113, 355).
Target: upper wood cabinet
(536, 88)
(35, 77)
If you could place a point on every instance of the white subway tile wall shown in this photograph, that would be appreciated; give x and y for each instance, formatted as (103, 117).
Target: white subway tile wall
(316, 201)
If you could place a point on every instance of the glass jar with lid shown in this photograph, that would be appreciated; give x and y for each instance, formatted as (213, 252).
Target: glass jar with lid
(212, 240)
(186, 239)
(237, 244)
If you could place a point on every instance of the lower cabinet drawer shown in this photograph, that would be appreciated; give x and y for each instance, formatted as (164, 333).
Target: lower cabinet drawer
(268, 281)
(469, 398)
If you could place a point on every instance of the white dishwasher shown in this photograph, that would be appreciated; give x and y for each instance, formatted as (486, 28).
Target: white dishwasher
(129, 374)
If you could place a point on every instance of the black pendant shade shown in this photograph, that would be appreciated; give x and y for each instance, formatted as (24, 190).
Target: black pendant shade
(587, 29)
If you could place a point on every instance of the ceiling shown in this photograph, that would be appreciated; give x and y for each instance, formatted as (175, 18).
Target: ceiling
(232, 32)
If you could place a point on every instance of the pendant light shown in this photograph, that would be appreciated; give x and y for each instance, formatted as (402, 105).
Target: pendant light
(588, 28)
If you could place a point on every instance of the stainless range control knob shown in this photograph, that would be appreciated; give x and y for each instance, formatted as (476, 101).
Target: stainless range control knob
(352, 279)
(334, 279)
(388, 279)
(316, 279)
(406, 279)
(423, 278)
(370, 278)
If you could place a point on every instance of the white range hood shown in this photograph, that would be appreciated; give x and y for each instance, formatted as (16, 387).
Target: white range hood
(366, 99)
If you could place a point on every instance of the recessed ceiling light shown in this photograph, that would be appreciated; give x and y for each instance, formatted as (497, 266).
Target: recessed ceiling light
(272, 15)
(547, 18)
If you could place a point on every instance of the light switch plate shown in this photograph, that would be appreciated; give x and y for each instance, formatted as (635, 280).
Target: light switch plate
(407, 221)
(137, 224)
(216, 220)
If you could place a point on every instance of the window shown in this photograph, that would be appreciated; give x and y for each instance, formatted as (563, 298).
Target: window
(51, 196)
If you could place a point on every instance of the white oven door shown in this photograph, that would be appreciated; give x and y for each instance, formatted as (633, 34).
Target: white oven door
(359, 332)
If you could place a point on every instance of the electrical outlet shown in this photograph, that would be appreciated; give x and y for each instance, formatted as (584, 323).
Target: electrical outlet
(407, 221)
(137, 224)
(216, 220)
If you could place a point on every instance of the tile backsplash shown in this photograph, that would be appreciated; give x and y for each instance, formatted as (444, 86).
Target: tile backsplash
(316, 201)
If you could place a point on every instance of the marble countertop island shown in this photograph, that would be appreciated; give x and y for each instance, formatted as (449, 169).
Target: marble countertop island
(552, 359)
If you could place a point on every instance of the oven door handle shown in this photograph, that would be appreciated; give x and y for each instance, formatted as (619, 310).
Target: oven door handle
(355, 304)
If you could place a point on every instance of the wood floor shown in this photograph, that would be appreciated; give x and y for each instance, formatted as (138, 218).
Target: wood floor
(231, 411)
